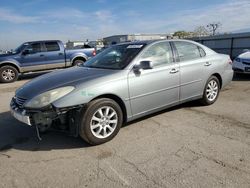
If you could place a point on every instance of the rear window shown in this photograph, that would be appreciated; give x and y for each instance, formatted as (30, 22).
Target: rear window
(86, 46)
(52, 46)
(82, 46)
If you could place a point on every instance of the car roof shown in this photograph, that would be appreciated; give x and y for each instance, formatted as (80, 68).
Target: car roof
(43, 41)
(146, 42)
(141, 42)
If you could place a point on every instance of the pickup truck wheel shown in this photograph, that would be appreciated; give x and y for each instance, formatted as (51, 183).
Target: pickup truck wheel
(8, 74)
(100, 121)
(78, 62)
(211, 91)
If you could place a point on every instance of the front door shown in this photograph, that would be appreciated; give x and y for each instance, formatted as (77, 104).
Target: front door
(32, 57)
(157, 87)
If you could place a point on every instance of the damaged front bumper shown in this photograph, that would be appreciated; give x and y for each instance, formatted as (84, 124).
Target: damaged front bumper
(31, 117)
(66, 119)
(20, 115)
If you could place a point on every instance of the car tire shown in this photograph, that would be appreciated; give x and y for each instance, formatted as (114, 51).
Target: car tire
(78, 62)
(8, 74)
(211, 91)
(100, 121)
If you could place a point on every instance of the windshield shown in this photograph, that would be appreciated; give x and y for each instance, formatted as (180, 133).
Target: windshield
(115, 57)
(20, 48)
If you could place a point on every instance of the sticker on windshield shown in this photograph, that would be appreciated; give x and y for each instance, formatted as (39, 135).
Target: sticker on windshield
(135, 46)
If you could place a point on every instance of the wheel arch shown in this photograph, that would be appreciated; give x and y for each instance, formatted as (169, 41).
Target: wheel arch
(118, 100)
(78, 57)
(10, 64)
(218, 76)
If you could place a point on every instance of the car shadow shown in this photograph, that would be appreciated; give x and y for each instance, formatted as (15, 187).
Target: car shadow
(195, 103)
(16, 135)
(241, 77)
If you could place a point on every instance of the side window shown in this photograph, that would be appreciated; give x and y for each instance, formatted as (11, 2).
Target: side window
(159, 54)
(52, 46)
(34, 48)
(187, 51)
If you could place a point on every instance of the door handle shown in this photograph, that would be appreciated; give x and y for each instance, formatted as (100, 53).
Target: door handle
(41, 55)
(60, 54)
(208, 64)
(174, 70)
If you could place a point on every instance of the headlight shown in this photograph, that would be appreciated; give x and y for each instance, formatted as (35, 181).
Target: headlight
(48, 97)
(237, 59)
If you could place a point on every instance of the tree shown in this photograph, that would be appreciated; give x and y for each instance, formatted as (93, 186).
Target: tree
(181, 34)
(213, 27)
(201, 31)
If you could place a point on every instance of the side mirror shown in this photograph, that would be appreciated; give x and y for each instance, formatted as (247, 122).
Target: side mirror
(146, 65)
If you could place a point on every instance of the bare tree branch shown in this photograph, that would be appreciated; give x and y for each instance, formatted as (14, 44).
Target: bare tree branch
(213, 27)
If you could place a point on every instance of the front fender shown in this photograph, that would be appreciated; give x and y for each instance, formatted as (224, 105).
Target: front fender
(88, 92)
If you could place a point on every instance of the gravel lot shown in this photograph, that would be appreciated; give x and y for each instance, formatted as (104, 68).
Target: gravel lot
(185, 146)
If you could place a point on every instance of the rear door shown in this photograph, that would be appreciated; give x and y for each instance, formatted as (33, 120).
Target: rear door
(157, 87)
(54, 56)
(193, 72)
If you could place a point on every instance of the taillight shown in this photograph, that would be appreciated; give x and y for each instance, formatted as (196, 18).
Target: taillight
(94, 53)
(230, 61)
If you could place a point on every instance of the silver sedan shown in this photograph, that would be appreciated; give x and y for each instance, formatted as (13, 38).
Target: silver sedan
(241, 64)
(122, 83)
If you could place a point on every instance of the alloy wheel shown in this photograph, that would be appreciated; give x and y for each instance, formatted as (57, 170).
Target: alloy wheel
(104, 121)
(212, 90)
(8, 74)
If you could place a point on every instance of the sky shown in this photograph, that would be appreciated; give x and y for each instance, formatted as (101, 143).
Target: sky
(27, 20)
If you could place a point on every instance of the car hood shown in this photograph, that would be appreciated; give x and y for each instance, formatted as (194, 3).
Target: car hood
(245, 55)
(5, 56)
(67, 77)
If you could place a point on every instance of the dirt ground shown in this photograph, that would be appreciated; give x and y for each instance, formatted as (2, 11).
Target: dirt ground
(185, 146)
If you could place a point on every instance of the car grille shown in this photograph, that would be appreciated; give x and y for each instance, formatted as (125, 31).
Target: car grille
(19, 101)
(246, 63)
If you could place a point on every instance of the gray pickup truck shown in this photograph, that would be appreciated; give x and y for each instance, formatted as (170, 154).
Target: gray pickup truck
(39, 56)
